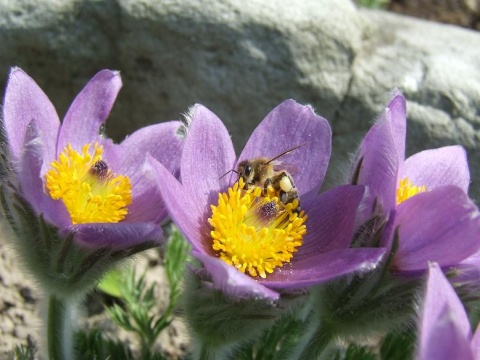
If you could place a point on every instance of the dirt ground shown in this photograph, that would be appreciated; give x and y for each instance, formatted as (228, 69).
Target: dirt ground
(464, 13)
(19, 298)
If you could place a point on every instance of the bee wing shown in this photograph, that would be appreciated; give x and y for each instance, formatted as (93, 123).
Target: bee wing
(279, 165)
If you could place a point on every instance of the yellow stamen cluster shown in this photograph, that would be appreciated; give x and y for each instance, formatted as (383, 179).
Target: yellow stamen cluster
(255, 232)
(406, 190)
(90, 192)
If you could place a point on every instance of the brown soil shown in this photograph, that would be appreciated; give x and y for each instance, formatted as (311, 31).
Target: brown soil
(21, 306)
(465, 13)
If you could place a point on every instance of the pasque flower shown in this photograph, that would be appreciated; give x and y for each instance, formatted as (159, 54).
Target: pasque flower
(444, 328)
(424, 197)
(250, 243)
(78, 186)
(77, 202)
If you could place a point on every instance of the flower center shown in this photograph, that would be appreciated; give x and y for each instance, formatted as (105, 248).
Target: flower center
(255, 232)
(90, 191)
(406, 190)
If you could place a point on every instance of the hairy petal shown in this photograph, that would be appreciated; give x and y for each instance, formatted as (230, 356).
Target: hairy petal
(183, 211)
(31, 181)
(396, 114)
(115, 235)
(475, 343)
(147, 204)
(441, 225)
(232, 282)
(163, 144)
(160, 141)
(331, 220)
(207, 155)
(438, 167)
(319, 268)
(382, 152)
(89, 110)
(285, 127)
(26, 102)
(445, 329)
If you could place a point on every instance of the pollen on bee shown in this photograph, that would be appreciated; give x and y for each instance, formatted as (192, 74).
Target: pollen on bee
(285, 184)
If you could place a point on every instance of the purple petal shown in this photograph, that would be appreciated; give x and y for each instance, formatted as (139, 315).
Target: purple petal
(475, 343)
(187, 215)
(473, 260)
(288, 125)
(438, 167)
(396, 115)
(441, 225)
(466, 275)
(331, 220)
(117, 235)
(207, 155)
(24, 102)
(232, 282)
(162, 143)
(445, 342)
(89, 110)
(468, 272)
(320, 268)
(31, 181)
(147, 206)
(382, 152)
(445, 330)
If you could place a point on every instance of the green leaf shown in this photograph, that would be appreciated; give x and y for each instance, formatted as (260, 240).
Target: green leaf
(354, 352)
(398, 346)
(176, 256)
(25, 352)
(112, 283)
(92, 345)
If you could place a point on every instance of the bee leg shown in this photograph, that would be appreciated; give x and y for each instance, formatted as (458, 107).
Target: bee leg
(266, 184)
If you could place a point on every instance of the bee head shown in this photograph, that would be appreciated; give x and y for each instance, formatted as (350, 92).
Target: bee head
(245, 171)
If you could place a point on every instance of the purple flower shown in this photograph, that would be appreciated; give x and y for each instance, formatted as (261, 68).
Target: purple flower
(208, 154)
(444, 327)
(424, 197)
(77, 180)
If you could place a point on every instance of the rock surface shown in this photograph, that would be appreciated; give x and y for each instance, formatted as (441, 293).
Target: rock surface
(438, 69)
(240, 60)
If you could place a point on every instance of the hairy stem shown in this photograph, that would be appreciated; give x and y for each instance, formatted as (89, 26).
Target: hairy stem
(59, 329)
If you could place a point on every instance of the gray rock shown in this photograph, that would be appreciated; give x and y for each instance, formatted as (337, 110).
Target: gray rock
(438, 69)
(241, 59)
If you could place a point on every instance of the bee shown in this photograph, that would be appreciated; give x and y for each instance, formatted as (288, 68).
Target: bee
(262, 172)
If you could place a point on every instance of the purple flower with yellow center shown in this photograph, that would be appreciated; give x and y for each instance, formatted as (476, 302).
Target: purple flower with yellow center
(250, 240)
(424, 197)
(444, 329)
(88, 189)
(75, 201)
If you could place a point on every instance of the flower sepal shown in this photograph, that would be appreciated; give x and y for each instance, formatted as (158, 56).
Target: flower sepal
(226, 320)
(360, 307)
